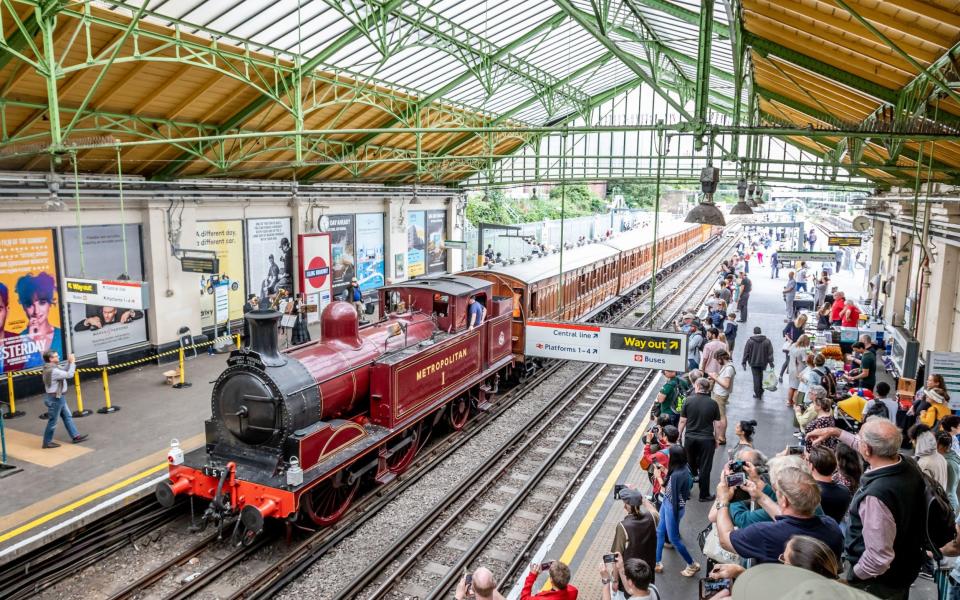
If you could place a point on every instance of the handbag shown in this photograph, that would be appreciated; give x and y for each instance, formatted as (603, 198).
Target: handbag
(709, 541)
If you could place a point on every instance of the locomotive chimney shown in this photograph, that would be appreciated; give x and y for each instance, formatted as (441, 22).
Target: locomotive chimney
(263, 334)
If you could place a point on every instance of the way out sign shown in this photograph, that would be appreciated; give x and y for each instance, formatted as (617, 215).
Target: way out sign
(629, 347)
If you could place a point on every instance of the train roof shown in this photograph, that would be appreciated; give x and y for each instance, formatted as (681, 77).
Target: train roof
(548, 266)
(455, 285)
(540, 268)
(629, 240)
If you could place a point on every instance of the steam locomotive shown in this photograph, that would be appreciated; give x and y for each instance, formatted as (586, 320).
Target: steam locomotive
(292, 434)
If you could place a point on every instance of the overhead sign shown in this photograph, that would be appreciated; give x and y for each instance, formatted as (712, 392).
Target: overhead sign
(118, 294)
(455, 244)
(844, 240)
(784, 256)
(200, 264)
(650, 349)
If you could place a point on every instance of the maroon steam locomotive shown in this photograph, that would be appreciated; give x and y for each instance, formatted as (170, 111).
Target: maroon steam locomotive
(294, 433)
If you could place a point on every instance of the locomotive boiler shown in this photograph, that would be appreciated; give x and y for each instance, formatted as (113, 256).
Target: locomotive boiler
(292, 434)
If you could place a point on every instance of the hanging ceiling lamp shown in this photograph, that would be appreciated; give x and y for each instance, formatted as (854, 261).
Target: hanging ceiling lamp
(750, 198)
(741, 208)
(759, 196)
(707, 213)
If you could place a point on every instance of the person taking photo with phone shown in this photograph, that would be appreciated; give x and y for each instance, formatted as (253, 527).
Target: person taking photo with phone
(480, 584)
(560, 587)
(637, 578)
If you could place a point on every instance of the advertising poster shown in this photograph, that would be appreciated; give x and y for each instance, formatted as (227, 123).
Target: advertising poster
(316, 276)
(104, 328)
(29, 311)
(436, 233)
(342, 230)
(370, 267)
(226, 239)
(269, 257)
(416, 243)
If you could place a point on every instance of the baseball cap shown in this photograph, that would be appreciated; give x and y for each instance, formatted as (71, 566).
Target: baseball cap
(687, 316)
(353, 280)
(783, 582)
(631, 497)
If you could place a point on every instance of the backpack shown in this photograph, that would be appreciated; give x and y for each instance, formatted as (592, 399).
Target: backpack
(679, 395)
(828, 381)
(940, 521)
(877, 409)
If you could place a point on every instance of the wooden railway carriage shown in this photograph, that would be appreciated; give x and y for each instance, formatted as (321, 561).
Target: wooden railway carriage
(594, 276)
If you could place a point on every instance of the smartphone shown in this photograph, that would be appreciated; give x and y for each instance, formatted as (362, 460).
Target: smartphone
(616, 490)
(545, 566)
(468, 582)
(795, 449)
(736, 479)
(711, 587)
(609, 558)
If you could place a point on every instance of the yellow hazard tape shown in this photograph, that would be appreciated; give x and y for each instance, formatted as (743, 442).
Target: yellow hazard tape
(131, 363)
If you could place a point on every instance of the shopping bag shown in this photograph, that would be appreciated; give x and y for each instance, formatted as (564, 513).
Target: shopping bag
(770, 379)
(709, 541)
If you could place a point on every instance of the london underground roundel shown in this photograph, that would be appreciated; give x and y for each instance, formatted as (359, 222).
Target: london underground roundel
(317, 272)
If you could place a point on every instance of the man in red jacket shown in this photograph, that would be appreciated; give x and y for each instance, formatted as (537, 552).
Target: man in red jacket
(559, 580)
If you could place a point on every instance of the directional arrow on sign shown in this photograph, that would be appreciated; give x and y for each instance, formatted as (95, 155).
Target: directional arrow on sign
(674, 344)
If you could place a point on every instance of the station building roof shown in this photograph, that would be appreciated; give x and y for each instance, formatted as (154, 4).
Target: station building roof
(173, 75)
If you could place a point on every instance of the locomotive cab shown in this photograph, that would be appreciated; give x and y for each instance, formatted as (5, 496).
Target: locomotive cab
(445, 298)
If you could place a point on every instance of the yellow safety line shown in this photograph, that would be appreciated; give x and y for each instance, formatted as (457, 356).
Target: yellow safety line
(603, 495)
(74, 505)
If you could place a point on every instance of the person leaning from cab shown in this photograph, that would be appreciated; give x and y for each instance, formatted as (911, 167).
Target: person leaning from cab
(476, 313)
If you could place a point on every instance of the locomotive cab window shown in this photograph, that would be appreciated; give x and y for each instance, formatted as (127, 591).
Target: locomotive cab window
(441, 304)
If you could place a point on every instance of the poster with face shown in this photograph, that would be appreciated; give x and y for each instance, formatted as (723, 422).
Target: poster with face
(29, 315)
(98, 328)
(370, 267)
(226, 239)
(269, 257)
(416, 243)
(342, 230)
(436, 233)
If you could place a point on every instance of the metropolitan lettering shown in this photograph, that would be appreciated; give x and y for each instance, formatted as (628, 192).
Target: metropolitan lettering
(440, 364)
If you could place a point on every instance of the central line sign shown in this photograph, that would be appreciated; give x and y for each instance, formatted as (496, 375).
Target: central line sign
(625, 346)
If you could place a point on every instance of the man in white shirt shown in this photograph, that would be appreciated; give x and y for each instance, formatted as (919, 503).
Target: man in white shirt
(636, 576)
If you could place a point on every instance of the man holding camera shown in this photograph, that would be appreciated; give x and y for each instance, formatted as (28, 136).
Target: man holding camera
(480, 584)
(55, 383)
(561, 589)
(798, 497)
(636, 577)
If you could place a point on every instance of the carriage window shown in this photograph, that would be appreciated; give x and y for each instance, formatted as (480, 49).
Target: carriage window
(441, 303)
(517, 302)
(533, 303)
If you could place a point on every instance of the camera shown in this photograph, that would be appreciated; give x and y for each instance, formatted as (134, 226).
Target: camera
(545, 566)
(617, 489)
(736, 466)
(711, 587)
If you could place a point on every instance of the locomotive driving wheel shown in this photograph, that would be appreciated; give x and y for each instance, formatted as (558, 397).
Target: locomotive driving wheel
(401, 458)
(458, 413)
(329, 501)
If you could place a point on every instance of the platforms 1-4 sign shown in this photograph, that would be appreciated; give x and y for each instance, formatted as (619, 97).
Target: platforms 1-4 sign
(650, 349)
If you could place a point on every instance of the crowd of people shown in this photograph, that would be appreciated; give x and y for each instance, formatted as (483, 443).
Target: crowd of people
(860, 502)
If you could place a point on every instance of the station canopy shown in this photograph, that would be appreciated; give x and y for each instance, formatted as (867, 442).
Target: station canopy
(853, 92)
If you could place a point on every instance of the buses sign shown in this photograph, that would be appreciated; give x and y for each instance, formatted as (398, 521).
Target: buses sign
(649, 349)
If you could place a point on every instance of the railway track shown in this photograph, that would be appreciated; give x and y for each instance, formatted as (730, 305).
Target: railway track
(302, 555)
(498, 511)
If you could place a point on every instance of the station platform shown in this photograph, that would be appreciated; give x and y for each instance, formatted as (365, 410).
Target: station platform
(586, 529)
(59, 490)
